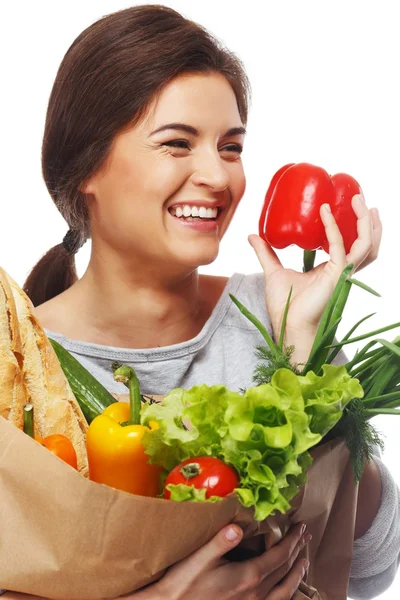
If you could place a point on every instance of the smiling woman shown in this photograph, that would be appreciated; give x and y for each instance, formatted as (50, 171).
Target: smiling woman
(142, 153)
(197, 166)
(96, 101)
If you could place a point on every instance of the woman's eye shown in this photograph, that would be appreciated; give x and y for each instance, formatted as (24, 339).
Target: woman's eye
(233, 148)
(182, 144)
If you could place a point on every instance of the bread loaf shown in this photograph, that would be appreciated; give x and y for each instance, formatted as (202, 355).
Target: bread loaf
(30, 372)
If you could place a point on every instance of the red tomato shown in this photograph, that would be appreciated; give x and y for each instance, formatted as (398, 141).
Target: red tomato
(218, 478)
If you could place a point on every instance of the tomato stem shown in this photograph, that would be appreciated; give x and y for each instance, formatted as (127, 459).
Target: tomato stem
(190, 470)
(308, 260)
(28, 420)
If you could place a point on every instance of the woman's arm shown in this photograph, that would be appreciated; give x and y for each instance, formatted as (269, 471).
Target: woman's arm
(376, 554)
(369, 499)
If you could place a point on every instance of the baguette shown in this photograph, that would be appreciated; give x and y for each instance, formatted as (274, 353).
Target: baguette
(13, 393)
(32, 373)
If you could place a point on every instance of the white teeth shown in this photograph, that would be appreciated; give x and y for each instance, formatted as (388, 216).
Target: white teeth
(194, 211)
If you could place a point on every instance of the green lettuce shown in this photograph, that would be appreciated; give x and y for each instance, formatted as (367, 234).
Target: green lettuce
(264, 433)
(325, 397)
(182, 493)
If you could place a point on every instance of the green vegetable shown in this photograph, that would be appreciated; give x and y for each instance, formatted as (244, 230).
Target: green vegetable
(377, 370)
(264, 433)
(181, 492)
(91, 395)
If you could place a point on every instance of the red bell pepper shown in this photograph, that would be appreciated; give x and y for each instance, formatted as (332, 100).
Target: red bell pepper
(290, 214)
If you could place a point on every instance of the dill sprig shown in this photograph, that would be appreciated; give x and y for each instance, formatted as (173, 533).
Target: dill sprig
(269, 363)
(360, 436)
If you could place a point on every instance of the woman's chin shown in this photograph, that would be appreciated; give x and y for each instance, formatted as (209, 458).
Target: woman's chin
(194, 257)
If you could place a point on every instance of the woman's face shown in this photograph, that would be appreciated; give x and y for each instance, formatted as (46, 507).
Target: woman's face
(171, 184)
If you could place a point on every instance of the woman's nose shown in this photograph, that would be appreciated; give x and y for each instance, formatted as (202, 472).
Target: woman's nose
(211, 172)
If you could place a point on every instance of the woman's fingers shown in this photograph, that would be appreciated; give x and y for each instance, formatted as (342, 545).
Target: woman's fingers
(286, 589)
(364, 242)
(269, 261)
(336, 247)
(369, 230)
(228, 538)
(376, 239)
(377, 233)
(199, 566)
(267, 570)
(364, 250)
(181, 576)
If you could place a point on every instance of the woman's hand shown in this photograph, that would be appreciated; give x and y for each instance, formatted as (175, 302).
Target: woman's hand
(312, 290)
(274, 575)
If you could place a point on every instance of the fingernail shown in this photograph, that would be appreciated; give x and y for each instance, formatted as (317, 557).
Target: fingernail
(303, 528)
(327, 208)
(308, 538)
(232, 534)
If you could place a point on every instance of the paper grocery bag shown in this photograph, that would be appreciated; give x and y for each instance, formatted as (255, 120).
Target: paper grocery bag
(327, 504)
(65, 537)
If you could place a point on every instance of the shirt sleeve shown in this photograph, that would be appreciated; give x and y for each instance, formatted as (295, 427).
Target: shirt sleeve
(376, 555)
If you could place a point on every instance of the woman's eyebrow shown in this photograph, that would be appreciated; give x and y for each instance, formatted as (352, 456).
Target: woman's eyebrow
(194, 131)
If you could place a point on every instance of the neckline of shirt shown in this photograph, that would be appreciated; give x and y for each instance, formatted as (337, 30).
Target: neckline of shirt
(166, 352)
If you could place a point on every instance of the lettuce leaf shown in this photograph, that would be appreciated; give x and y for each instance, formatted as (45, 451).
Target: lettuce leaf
(182, 493)
(264, 433)
(326, 396)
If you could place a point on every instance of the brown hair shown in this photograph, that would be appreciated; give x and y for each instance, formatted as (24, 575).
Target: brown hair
(106, 81)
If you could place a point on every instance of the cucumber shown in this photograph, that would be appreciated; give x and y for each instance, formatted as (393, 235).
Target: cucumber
(91, 395)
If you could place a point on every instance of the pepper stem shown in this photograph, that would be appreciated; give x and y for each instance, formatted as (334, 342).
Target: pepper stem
(308, 260)
(28, 420)
(128, 376)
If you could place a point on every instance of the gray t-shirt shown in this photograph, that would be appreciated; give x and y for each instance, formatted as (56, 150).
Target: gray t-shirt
(223, 352)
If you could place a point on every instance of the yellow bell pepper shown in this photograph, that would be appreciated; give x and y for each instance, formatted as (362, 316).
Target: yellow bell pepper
(116, 456)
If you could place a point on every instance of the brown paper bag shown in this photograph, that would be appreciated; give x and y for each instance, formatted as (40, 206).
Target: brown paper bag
(65, 537)
(327, 504)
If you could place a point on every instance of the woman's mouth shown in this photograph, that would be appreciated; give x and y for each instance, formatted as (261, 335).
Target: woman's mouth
(202, 218)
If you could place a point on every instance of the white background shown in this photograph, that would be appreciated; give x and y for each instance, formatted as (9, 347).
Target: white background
(325, 90)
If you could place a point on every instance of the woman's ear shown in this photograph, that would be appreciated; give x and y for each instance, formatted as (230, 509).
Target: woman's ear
(87, 187)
